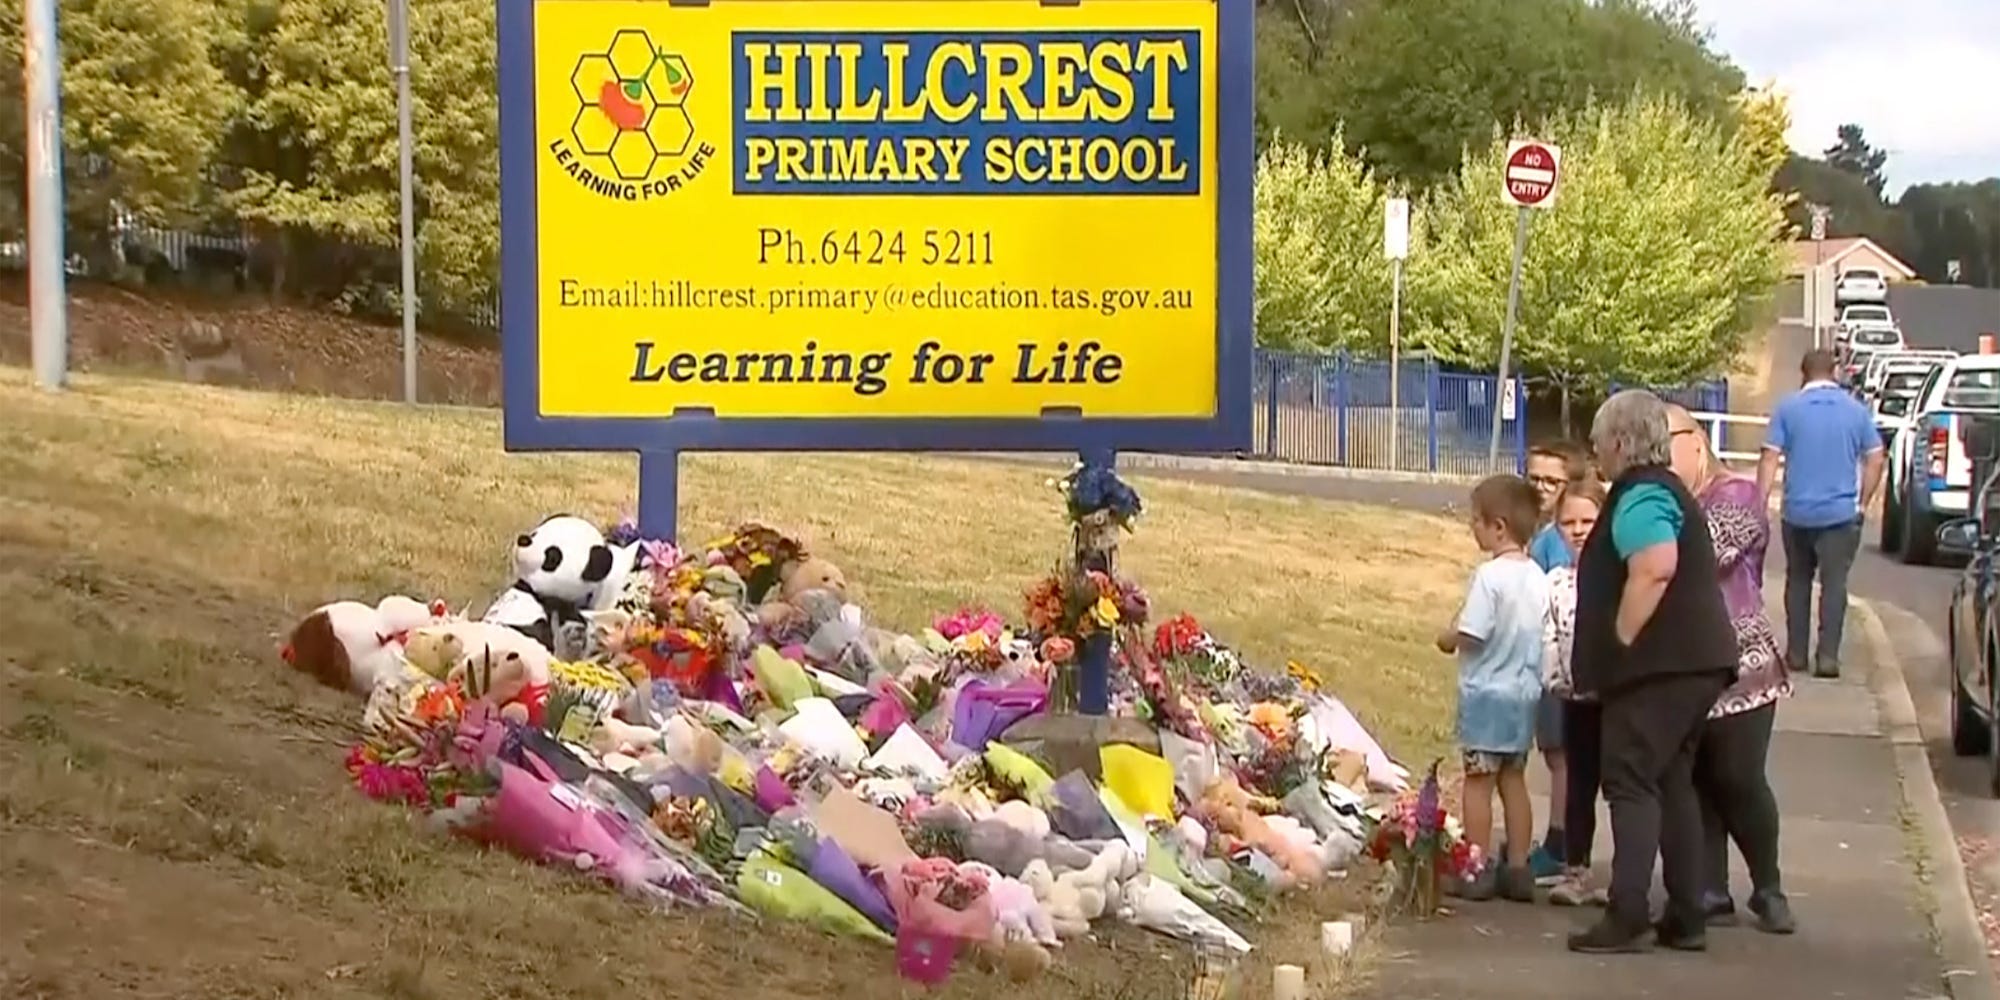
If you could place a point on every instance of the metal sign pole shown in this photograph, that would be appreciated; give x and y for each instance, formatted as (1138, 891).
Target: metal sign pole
(1507, 335)
(399, 63)
(1395, 363)
(48, 312)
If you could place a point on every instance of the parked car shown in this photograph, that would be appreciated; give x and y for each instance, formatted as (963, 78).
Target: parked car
(1860, 284)
(1928, 472)
(1970, 622)
(1881, 363)
(1860, 317)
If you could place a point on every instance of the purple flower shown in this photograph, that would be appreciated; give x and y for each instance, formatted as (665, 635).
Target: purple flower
(1430, 814)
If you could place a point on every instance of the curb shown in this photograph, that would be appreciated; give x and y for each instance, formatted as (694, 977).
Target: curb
(1968, 972)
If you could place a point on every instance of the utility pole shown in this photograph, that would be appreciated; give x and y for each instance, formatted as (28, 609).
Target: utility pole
(1507, 335)
(399, 63)
(48, 309)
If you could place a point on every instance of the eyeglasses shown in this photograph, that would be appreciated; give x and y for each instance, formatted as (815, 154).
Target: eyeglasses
(1549, 480)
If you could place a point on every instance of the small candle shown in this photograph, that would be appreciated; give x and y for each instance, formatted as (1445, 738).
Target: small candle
(1336, 936)
(1288, 982)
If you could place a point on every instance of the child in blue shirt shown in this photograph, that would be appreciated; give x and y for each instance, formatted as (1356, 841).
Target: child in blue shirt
(1497, 636)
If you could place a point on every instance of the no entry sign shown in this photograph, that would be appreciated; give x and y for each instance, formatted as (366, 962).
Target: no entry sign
(1532, 172)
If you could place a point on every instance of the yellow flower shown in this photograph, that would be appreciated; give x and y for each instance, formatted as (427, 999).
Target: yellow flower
(1105, 611)
(1306, 676)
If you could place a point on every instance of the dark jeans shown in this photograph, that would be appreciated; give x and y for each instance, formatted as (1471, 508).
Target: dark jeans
(1583, 732)
(1652, 732)
(1736, 799)
(1828, 552)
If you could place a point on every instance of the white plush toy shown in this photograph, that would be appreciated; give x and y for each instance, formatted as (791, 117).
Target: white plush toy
(1097, 886)
(476, 638)
(563, 570)
(349, 646)
(1059, 900)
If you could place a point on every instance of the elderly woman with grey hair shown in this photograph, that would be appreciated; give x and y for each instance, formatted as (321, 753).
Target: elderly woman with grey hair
(1653, 641)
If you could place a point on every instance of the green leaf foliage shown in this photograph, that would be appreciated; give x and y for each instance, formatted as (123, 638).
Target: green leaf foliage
(1662, 251)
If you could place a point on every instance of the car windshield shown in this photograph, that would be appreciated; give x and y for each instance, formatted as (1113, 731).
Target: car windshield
(1864, 274)
(1866, 314)
(1974, 389)
(1874, 336)
(1902, 383)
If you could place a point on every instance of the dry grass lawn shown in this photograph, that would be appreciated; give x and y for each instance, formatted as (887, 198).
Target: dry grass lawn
(174, 821)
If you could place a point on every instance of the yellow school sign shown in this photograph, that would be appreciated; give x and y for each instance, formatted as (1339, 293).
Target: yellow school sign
(875, 223)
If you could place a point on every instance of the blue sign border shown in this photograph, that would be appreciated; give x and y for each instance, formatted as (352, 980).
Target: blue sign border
(526, 429)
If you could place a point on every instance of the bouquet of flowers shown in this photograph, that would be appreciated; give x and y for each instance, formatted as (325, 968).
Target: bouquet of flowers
(1193, 657)
(1276, 760)
(1096, 490)
(1424, 844)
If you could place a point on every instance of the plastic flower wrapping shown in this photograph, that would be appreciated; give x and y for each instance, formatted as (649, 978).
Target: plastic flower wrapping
(814, 766)
(1415, 832)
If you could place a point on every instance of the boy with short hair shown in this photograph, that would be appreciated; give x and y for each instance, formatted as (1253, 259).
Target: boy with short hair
(1554, 468)
(1497, 636)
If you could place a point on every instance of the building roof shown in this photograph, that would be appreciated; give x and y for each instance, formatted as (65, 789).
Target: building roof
(1830, 252)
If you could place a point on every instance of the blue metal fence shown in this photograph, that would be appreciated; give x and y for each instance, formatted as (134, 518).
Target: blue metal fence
(1331, 409)
(1701, 397)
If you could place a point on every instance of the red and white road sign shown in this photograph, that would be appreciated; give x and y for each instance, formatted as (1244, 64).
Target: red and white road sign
(1532, 173)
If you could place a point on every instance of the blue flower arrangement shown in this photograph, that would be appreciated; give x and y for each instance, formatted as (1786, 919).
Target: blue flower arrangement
(1091, 488)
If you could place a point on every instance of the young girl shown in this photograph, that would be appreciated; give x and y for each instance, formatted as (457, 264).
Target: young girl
(1576, 514)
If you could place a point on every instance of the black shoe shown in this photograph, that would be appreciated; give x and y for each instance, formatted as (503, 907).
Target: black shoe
(1607, 937)
(1670, 934)
(1718, 910)
(1826, 671)
(1774, 913)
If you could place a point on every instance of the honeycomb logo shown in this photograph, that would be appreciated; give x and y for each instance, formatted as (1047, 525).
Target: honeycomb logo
(631, 138)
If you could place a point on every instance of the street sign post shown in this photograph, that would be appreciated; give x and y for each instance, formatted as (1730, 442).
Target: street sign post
(1529, 179)
(1396, 244)
(399, 64)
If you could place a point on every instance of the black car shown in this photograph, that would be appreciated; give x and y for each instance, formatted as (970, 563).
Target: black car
(1972, 627)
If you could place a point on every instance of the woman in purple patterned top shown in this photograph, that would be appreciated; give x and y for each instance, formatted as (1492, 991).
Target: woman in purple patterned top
(1736, 798)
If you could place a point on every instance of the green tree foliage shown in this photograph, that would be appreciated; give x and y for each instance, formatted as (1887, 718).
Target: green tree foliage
(1322, 281)
(143, 106)
(1958, 222)
(1661, 253)
(1416, 82)
(1852, 154)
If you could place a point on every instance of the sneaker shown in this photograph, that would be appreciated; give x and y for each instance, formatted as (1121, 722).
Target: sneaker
(1669, 933)
(1574, 889)
(1718, 909)
(1774, 912)
(1516, 885)
(1606, 937)
(1545, 867)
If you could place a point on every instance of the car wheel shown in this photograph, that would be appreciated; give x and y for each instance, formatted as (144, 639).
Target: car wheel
(1890, 538)
(1919, 538)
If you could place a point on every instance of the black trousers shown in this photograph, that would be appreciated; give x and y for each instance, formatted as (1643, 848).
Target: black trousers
(1583, 742)
(1652, 732)
(1736, 799)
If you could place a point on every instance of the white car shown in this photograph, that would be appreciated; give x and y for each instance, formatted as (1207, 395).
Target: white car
(1860, 284)
(1929, 475)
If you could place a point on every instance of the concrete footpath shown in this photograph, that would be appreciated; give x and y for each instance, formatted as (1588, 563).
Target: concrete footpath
(1852, 853)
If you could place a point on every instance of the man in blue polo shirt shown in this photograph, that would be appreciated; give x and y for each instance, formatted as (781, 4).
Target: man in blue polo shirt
(1833, 467)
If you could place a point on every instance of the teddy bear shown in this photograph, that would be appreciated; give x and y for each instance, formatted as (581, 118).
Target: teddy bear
(492, 655)
(781, 608)
(349, 646)
(563, 570)
(500, 679)
(433, 651)
(1018, 915)
(1233, 811)
(1060, 900)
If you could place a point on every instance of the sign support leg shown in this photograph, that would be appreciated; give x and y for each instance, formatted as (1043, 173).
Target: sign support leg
(1093, 696)
(1507, 336)
(659, 494)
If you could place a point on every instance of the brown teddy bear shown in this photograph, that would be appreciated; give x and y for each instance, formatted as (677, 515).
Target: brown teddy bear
(780, 610)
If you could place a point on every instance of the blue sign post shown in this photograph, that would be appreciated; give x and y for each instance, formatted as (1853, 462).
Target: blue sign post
(878, 225)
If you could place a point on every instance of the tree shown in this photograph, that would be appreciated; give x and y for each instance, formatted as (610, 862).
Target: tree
(1852, 154)
(1661, 254)
(1417, 82)
(1321, 281)
(143, 103)
(1762, 117)
(1958, 222)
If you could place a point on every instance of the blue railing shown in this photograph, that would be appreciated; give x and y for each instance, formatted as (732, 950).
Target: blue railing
(1331, 409)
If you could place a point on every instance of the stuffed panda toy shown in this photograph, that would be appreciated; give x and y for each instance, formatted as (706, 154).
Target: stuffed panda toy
(563, 569)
